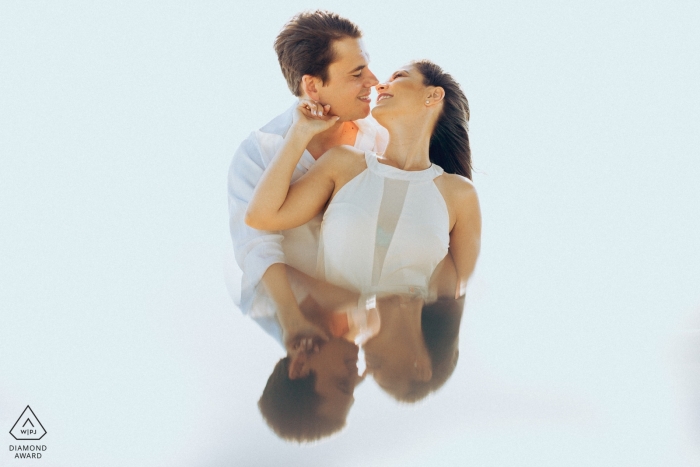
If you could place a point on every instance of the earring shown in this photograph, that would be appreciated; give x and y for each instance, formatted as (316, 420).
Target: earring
(427, 102)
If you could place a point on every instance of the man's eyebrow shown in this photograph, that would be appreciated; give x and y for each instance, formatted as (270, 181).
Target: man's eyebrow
(357, 68)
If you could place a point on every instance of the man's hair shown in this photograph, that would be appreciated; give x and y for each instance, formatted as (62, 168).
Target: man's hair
(305, 45)
(289, 406)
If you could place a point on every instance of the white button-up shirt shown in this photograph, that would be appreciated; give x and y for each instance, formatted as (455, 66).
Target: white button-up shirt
(256, 250)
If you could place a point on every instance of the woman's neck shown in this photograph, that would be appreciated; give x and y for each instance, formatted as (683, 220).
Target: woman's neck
(409, 145)
(401, 315)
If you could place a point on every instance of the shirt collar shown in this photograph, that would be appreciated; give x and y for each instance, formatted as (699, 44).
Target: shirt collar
(366, 132)
(281, 123)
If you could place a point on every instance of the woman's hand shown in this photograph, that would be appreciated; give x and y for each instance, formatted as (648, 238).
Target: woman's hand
(311, 117)
(275, 205)
(302, 336)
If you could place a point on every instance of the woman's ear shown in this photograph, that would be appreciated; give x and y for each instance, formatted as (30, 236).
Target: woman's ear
(310, 85)
(437, 94)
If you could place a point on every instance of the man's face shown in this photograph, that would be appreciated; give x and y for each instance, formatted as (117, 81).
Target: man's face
(349, 82)
(335, 366)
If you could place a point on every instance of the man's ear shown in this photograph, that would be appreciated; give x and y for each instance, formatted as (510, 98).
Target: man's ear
(310, 86)
(298, 367)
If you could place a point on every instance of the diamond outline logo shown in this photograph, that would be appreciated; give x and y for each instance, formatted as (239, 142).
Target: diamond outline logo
(29, 416)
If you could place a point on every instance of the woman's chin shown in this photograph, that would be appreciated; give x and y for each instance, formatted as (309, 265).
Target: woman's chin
(378, 113)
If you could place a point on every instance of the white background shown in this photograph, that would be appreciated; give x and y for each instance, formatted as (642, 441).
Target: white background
(117, 124)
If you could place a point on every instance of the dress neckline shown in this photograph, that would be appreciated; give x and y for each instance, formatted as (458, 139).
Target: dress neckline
(389, 171)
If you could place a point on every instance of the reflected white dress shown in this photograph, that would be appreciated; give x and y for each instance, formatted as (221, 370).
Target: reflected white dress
(385, 230)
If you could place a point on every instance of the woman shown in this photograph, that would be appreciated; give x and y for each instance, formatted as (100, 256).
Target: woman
(416, 349)
(390, 219)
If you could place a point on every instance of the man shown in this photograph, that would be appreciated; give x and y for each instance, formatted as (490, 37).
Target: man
(315, 404)
(323, 59)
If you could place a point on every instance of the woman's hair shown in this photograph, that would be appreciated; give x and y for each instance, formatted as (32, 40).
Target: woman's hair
(449, 143)
(305, 45)
(289, 406)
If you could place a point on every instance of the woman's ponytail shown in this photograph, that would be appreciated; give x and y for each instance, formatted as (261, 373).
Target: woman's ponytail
(449, 143)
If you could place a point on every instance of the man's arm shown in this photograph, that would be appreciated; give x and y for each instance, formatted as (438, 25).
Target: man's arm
(255, 250)
(259, 253)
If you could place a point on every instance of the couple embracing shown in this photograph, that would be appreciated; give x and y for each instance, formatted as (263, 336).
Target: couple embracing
(331, 210)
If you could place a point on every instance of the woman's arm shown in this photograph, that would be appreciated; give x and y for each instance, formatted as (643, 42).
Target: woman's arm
(465, 236)
(443, 282)
(275, 204)
(298, 333)
(331, 302)
(328, 296)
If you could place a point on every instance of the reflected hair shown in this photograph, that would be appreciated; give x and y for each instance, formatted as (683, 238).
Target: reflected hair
(305, 45)
(289, 406)
(449, 143)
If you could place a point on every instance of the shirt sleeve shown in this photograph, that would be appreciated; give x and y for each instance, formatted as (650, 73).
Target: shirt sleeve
(254, 250)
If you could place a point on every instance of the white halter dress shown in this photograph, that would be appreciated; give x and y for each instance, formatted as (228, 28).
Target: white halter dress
(385, 230)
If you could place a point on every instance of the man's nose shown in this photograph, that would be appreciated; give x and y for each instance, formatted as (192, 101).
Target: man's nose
(372, 80)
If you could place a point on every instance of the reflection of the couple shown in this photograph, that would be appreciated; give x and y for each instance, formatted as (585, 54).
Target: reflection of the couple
(410, 350)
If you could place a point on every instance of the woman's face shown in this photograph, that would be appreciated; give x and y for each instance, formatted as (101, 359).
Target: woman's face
(395, 367)
(403, 94)
(397, 355)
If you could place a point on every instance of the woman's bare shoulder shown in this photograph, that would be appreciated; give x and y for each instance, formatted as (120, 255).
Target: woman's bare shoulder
(344, 154)
(343, 159)
(460, 197)
(456, 188)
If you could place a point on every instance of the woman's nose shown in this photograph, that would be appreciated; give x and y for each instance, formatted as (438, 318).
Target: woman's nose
(381, 87)
(422, 370)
